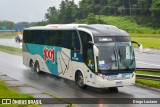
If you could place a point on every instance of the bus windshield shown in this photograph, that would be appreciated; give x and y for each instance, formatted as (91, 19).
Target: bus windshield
(115, 55)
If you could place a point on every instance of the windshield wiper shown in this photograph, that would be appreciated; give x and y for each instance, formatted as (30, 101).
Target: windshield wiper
(120, 56)
(115, 55)
(132, 60)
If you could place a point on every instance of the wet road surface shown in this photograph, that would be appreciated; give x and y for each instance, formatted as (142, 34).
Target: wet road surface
(146, 60)
(10, 42)
(12, 66)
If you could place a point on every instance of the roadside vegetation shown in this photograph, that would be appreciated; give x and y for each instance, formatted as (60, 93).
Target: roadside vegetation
(148, 72)
(149, 37)
(7, 35)
(148, 82)
(7, 92)
(148, 42)
(127, 23)
(11, 50)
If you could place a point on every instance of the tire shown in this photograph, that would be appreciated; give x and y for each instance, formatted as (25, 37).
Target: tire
(32, 65)
(37, 67)
(113, 89)
(80, 81)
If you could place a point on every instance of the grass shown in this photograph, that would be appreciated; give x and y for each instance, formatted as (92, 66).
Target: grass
(150, 83)
(6, 92)
(138, 35)
(61, 99)
(11, 50)
(7, 34)
(148, 72)
(147, 82)
(148, 42)
(10, 93)
(126, 23)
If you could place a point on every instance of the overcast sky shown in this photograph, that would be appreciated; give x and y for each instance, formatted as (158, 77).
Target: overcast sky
(26, 10)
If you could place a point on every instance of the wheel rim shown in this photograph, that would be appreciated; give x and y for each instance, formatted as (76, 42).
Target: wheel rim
(80, 80)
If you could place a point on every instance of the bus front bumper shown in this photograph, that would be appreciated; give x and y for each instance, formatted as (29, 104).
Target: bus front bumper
(104, 82)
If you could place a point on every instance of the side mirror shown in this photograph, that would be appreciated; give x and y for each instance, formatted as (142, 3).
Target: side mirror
(96, 50)
(90, 43)
(140, 46)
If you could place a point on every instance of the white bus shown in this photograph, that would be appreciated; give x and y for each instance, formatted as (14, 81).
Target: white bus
(91, 55)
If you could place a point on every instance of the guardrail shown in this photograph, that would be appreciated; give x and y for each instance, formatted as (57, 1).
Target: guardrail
(152, 77)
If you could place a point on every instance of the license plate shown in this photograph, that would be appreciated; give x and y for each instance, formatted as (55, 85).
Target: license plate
(118, 82)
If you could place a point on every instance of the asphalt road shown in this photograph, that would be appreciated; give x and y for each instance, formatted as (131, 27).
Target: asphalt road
(12, 66)
(10, 42)
(147, 60)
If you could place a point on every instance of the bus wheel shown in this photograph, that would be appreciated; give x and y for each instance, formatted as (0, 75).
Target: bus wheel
(32, 65)
(113, 89)
(80, 81)
(37, 68)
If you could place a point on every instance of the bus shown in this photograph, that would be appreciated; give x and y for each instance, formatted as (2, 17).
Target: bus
(93, 55)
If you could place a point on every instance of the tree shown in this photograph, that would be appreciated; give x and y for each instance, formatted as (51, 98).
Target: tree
(41, 23)
(155, 9)
(52, 15)
(91, 19)
(6, 25)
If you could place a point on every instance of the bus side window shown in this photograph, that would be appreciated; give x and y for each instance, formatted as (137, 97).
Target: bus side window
(52, 38)
(59, 38)
(75, 44)
(65, 39)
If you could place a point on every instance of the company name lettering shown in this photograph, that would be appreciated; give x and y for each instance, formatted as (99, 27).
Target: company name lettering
(48, 54)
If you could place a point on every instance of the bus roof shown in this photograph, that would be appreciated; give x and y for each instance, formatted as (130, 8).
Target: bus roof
(95, 29)
(104, 30)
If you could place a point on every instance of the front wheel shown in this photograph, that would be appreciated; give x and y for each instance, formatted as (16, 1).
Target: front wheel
(80, 81)
(113, 89)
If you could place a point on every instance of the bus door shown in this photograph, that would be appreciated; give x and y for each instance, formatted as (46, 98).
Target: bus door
(88, 58)
(90, 66)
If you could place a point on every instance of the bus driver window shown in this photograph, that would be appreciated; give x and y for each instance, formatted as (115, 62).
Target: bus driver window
(90, 58)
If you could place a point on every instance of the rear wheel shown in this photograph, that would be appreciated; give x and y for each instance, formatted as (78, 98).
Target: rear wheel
(32, 65)
(80, 80)
(37, 67)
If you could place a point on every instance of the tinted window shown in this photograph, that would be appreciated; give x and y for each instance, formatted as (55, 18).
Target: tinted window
(85, 38)
(75, 43)
(62, 38)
